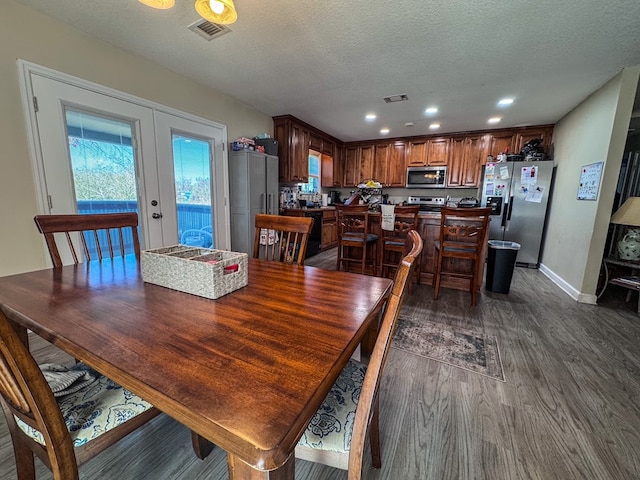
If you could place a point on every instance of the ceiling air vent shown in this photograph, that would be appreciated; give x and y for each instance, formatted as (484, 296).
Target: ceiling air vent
(208, 30)
(396, 98)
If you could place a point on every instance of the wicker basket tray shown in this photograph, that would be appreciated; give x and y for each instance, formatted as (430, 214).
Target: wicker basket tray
(191, 270)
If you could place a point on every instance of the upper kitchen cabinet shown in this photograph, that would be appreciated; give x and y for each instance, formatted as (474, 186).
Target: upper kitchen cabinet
(438, 151)
(389, 164)
(351, 166)
(544, 133)
(417, 153)
(358, 164)
(293, 149)
(498, 142)
(465, 161)
(315, 142)
(428, 151)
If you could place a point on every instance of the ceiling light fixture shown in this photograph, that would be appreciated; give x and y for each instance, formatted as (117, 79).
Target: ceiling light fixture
(370, 116)
(505, 102)
(159, 4)
(431, 110)
(384, 131)
(494, 120)
(434, 126)
(222, 12)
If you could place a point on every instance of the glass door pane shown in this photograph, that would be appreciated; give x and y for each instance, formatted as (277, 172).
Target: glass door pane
(103, 167)
(192, 173)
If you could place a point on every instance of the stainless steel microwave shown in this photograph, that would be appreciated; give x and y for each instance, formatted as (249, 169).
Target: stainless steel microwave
(426, 177)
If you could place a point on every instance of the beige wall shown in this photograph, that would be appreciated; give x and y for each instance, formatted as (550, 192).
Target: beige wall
(28, 35)
(595, 131)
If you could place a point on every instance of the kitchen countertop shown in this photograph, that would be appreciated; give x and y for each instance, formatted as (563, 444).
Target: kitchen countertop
(372, 214)
(308, 209)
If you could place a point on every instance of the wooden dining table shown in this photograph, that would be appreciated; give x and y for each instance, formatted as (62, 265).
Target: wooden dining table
(246, 371)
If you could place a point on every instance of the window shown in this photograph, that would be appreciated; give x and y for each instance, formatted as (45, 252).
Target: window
(313, 185)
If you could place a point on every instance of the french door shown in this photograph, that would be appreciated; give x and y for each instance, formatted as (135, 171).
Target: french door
(96, 153)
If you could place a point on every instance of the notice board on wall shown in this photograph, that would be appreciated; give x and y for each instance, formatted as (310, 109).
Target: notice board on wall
(590, 181)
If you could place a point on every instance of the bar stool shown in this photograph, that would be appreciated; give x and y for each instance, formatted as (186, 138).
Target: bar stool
(462, 237)
(393, 241)
(353, 232)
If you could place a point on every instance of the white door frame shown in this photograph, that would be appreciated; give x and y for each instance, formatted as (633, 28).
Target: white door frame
(26, 69)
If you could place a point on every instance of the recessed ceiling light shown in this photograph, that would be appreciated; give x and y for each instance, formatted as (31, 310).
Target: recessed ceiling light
(494, 120)
(384, 131)
(431, 110)
(434, 126)
(370, 116)
(409, 124)
(505, 102)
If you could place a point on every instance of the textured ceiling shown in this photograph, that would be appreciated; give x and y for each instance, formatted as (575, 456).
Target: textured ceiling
(331, 62)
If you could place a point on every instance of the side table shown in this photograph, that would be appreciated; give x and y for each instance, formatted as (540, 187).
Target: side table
(630, 282)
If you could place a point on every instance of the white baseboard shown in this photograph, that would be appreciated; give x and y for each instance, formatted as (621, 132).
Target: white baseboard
(578, 296)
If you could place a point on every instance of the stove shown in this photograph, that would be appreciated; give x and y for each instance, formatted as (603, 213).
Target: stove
(427, 204)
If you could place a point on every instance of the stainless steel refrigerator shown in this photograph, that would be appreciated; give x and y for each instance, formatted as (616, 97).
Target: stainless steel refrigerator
(518, 193)
(253, 189)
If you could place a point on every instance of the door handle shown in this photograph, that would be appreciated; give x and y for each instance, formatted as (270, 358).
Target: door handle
(156, 215)
(262, 203)
(508, 212)
(270, 204)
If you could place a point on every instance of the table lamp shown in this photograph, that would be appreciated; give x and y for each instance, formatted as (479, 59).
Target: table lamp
(629, 214)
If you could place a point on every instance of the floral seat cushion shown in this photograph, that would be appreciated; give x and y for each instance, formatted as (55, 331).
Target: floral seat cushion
(94, 409)
(332, 425)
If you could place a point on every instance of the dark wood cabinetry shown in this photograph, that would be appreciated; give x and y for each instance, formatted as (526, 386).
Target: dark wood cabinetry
(417, 153)
(347, 164)
(329, 229)
(438, 151)
(523, 136)
(499, 143)
(390, 164)
(293, 150)
(465, 161)
(358, 164)
(428, 151)
(315, 142)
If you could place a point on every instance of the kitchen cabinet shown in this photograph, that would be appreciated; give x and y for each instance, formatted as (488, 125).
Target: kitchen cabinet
(253, 189)
(315, 142)
(417, 153)
(329, 229)
(499, 142)
(389, 164)
(465, 161)
(328, 147)
(293, 149)
(438, 151)
(523, 136)
(358, 164)
(428, 151)
(327, 177)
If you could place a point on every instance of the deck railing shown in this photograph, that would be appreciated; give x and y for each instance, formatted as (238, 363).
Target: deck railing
(190, 218)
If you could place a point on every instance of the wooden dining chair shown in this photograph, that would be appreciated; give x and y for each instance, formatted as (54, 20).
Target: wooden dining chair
(460, 246)
(336, 435)
(353, 233)
(392, 244)
(281, 238)
(62, 431)
(89, 236)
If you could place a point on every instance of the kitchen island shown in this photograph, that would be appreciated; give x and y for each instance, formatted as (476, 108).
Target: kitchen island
(429, 230)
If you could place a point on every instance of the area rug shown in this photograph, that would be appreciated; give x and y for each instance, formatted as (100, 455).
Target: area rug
(459, 347)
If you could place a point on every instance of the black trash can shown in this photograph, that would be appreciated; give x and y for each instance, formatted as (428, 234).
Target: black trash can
(501, 261)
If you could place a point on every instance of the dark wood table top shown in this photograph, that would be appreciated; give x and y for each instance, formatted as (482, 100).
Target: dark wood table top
(246, 371)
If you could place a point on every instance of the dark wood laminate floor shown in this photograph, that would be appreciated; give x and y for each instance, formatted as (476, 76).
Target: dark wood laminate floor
(569, 408)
